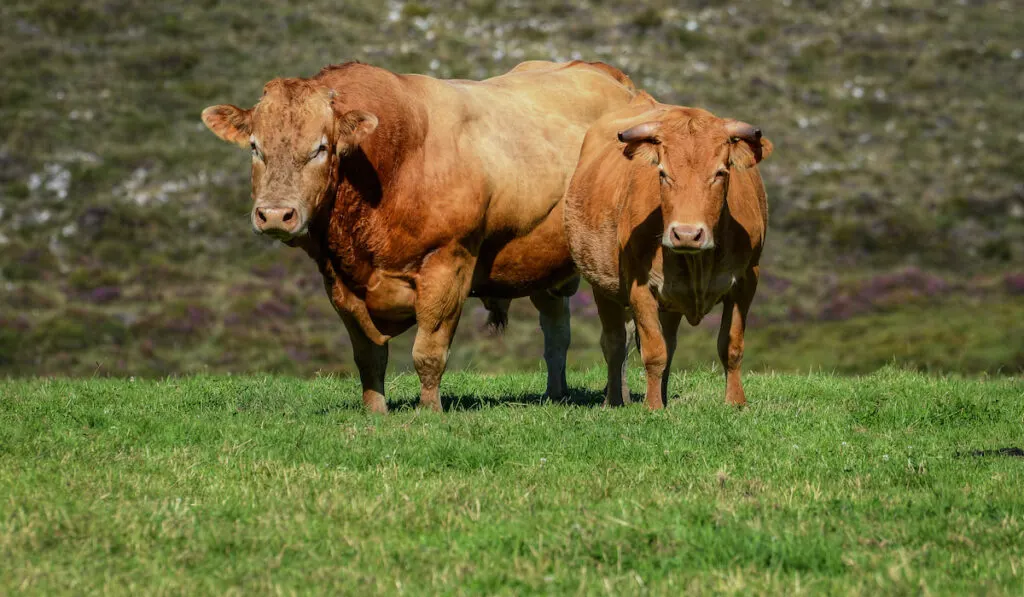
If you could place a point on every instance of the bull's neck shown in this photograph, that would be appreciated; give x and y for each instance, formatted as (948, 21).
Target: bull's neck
(362, 191)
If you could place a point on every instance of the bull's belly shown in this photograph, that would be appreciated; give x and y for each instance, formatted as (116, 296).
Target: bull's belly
(524, 265)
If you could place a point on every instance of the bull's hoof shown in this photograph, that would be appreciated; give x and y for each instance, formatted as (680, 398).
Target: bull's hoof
(375, 404)
(433, 405)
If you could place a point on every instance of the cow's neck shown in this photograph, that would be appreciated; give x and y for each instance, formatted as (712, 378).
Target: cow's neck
(695, 283)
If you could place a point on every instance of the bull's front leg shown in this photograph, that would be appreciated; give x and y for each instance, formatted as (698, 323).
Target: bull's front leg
(372, 362)
(730, 334)
(442, 287)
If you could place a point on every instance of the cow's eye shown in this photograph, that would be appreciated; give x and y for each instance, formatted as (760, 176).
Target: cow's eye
(320, 149)
(721, 173)
(255, 151)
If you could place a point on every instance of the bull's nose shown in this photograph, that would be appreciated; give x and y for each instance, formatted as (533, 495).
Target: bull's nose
(688, 237)
(276, 219)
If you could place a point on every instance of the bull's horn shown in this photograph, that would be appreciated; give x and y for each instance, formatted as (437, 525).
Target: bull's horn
(647, 131)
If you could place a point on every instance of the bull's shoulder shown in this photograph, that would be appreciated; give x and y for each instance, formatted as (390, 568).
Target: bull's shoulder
(534, 65)
(608, 69)
(545, 66)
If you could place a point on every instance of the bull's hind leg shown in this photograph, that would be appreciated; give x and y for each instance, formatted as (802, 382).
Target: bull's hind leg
(730, 334)
(442, 288)
(553, 305)
(615, 345)
(372, 363)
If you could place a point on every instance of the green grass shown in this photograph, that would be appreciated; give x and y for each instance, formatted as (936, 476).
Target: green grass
(256, 485)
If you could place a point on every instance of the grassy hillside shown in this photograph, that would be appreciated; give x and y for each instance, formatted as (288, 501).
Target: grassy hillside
(124, 244)
(885, 484)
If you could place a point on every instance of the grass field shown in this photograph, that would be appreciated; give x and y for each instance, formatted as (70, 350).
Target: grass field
(265, 485)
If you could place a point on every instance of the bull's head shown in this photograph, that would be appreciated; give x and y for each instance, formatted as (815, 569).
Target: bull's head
(695, 153)
(296, 135)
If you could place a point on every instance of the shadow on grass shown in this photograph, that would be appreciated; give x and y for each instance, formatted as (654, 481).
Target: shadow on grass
(579, 397)
(1011, 452)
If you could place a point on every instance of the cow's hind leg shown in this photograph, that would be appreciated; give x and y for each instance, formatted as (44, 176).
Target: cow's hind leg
(669, 329)
(554, 323)
(442, 288)
(614, 344)
(372, 363)
(730, 335)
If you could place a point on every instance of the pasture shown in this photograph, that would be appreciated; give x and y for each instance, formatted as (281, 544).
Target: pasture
(888, 482)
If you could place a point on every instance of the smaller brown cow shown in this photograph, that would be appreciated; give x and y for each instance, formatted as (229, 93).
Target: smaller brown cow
(666, 216)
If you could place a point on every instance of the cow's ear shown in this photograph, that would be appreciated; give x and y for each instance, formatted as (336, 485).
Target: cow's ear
(642, 141)
(353, 128)
(747, 154)
(749, 146)
(230, 123)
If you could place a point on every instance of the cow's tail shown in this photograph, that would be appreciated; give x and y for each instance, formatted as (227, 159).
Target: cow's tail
(497, 313)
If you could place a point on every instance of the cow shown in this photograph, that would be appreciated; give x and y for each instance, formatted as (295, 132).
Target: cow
(413, 193)
(666, 217)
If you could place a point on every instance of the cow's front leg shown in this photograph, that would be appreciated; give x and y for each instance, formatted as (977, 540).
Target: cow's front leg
(730, 335)
(653, 348)
(372, 362)
(442, 287)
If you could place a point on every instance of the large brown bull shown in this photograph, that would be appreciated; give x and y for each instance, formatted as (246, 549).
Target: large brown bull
(666, 216)
(413, 193)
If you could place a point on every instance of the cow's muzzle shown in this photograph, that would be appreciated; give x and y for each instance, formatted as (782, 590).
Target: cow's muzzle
(687, 238)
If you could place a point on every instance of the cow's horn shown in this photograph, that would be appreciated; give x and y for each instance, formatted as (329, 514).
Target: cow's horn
(742, 130)
(642, 132)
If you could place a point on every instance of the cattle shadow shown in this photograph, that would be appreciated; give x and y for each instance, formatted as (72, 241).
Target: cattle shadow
(1013, 452)
(579, 397)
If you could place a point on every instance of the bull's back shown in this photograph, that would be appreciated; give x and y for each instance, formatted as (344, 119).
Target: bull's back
(523, 131)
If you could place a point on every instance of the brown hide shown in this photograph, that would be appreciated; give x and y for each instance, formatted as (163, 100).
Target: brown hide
(429, 191)
(676, 170)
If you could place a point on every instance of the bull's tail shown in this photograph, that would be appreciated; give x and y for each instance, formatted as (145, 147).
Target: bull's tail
(497, 313)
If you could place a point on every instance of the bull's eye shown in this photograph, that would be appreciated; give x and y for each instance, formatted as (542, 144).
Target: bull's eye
(721, 173)
(319, 151)
(255, 150)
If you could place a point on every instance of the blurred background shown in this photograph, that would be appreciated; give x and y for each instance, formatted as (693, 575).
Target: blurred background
(896, 186)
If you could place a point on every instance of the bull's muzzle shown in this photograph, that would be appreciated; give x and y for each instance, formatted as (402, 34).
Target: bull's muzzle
(278, 222)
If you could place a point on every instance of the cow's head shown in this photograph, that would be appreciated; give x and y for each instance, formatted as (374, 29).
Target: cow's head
(296, 135)
(695, 153)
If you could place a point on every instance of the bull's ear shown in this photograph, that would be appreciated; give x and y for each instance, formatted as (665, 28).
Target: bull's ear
(642, 140)
(749, 146)
(230, 123)
(353, 128)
